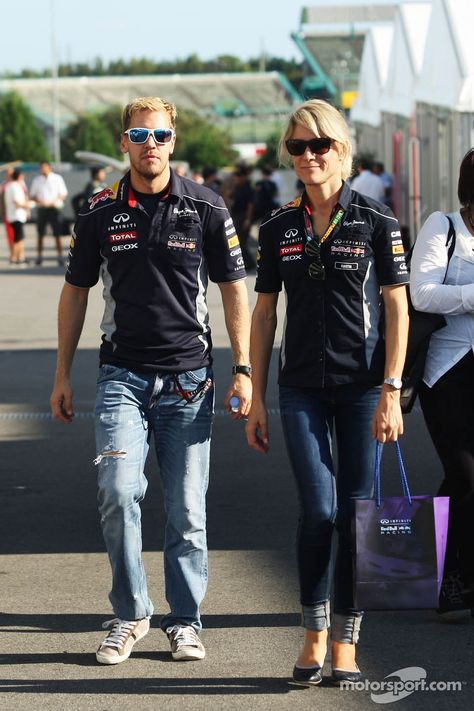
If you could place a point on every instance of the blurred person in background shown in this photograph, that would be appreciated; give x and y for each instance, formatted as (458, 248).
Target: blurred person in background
(48, 190)
(8, 228)
(378, 168)
(447, 392)
(242, 200)
(367, 183)
(17, 213)
(266, 192)
(210, 178)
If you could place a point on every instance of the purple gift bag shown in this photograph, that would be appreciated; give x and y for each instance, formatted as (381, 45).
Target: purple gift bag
(399, 544)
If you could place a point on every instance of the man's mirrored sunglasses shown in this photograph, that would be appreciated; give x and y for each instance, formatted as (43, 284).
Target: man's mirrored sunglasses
(141, 135)
(318, 146)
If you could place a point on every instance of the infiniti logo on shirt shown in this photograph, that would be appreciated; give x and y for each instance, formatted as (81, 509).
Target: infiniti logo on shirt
(122, 217)
(291, 233)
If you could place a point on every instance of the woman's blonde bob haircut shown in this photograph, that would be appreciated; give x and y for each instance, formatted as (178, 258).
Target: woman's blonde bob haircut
(325, 121)
(148, 103)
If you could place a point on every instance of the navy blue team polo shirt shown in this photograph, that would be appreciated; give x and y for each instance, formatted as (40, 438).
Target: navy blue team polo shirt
(155, 272)
(334, 329)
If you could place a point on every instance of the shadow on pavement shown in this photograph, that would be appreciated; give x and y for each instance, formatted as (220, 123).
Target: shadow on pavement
(181, 685)
(74, 623)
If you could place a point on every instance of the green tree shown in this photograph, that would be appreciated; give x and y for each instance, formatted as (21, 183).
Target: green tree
(292, 69)
(271, 154)
(88, 133)
(20, 136)
(202, 143)
(112, 120)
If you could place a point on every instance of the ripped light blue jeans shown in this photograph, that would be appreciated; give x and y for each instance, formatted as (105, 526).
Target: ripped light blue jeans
(178, 410)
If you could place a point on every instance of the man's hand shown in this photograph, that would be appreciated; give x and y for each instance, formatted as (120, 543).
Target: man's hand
(71, 314)
(256, 428)
(240, 387)
(61, 402)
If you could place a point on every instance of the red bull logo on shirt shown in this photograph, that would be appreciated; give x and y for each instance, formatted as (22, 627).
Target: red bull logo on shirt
(104, 194)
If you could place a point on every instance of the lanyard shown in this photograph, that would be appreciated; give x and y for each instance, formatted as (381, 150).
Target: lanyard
(337, 217)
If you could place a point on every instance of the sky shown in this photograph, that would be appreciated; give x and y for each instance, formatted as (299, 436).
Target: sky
(155, 29)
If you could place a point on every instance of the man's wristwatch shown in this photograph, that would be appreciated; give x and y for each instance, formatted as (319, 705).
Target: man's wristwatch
(394, 382)
(243, 369)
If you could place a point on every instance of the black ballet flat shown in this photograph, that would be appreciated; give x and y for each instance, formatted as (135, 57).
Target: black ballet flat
(311, 676)
(339, 676)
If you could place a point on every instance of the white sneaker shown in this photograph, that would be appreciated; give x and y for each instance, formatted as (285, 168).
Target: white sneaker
(185, 643)
(118, 644)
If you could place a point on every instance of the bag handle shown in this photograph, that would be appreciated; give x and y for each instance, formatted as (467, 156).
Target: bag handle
(403, 476)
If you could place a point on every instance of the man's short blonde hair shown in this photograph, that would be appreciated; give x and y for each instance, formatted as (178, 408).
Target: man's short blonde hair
(325, 121)
(148, 103)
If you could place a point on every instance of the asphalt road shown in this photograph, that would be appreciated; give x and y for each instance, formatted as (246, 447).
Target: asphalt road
(54, 574)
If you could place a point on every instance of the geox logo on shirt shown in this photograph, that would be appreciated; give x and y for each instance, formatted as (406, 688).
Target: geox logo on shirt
(124, 247)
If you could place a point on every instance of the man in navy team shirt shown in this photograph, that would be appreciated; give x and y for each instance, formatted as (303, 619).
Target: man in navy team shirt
(154, 238)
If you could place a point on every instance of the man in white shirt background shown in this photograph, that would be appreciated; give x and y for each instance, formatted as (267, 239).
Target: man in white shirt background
(367, 183)
(48, 190)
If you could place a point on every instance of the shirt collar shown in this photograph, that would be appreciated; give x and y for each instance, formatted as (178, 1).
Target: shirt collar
(127, 195)
(344, 199)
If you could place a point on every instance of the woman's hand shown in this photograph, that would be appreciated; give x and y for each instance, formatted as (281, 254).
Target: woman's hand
(256, 428)
(387, 422)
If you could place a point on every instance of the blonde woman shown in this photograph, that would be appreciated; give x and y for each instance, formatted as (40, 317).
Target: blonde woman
(339, 257)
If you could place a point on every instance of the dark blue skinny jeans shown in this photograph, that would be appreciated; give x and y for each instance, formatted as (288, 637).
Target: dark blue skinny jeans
(310, 418)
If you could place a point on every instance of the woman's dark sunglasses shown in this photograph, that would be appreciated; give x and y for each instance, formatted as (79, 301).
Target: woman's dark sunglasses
(316, 268)
(318, 146)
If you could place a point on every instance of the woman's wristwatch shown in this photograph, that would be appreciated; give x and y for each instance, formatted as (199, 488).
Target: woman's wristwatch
(394, 382)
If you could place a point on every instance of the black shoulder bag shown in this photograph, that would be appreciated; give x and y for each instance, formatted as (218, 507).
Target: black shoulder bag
(422, 325)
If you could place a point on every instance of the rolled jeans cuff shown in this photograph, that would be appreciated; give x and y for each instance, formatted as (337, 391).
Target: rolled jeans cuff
(316, 617)
(345, 628)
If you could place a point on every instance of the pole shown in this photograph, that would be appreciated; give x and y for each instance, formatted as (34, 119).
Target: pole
(55, 89)
(414, 185)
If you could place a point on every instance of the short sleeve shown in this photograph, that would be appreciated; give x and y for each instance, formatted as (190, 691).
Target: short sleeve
(221, 246)
(268, 280)
(62, 189)
(84, 255)
(389, 251)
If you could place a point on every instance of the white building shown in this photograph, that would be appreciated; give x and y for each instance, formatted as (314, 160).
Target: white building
(444, 96)
(422, 121)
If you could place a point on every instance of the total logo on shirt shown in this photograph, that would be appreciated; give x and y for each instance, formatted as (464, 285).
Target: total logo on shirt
(291, 249)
